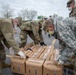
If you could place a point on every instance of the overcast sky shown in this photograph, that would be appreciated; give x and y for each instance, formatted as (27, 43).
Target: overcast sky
(43, 7)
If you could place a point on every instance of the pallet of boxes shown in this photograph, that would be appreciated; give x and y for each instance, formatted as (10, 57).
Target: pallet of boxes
(39, 61)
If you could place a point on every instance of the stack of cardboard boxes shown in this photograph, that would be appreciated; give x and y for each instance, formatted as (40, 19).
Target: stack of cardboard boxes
(49, 68)
(40, 61)
(34, 66)
(18, 65)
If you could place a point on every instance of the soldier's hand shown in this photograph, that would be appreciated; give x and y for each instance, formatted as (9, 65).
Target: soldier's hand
(42, 43)
(29, 49)
(58, 61)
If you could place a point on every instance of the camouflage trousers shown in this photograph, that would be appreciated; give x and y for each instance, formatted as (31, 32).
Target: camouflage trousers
(67, 71)
(2, 52)
(2, 58)
(74, 72)
(71, 71)
(2, 55)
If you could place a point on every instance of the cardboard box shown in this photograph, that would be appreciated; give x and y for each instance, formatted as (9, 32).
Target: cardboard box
(18, 65)
(36, 55)
(48, 57)
(41, 49)
(49, 68)
(36, 47)
(27, 53)
(54, 54)
(46, 49)
(34, 66)
(31, 54)
(45, 54)
(32, 47)
(28, 46)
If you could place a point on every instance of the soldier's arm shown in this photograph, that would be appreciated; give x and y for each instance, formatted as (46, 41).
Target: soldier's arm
(7, 30)
(74, 12)
(23, 38)
(35, 32)
(67, 35)
(41, 36)
(71, 22)
(22, 27)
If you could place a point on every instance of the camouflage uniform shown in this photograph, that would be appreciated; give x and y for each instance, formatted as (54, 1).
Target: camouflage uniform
(73, 13)
(65, 28)
(6, 35)
(73, 10)
(33, 29)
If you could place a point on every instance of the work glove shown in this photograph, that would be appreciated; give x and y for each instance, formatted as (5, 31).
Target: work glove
(59, 62)
(22, 55)
(42, 43)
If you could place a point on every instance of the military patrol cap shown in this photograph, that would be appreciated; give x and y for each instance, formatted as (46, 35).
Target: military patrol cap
(69, 2)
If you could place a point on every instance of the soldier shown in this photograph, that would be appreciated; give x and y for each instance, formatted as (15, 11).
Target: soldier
(33, 29)
(6, 36)
(63, 31)
(72, 7)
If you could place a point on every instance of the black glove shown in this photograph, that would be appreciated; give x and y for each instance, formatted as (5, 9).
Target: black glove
(29, 49)
(42, 43)
(49, 36)
(55, 35)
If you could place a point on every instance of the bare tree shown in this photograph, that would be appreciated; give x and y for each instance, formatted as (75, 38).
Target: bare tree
(29, 14)
(7, 11)
(23, 13)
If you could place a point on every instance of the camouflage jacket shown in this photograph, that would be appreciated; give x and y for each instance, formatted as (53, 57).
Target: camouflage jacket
(32, 26)
(65, 30)
(6, 32)
(73, 13)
